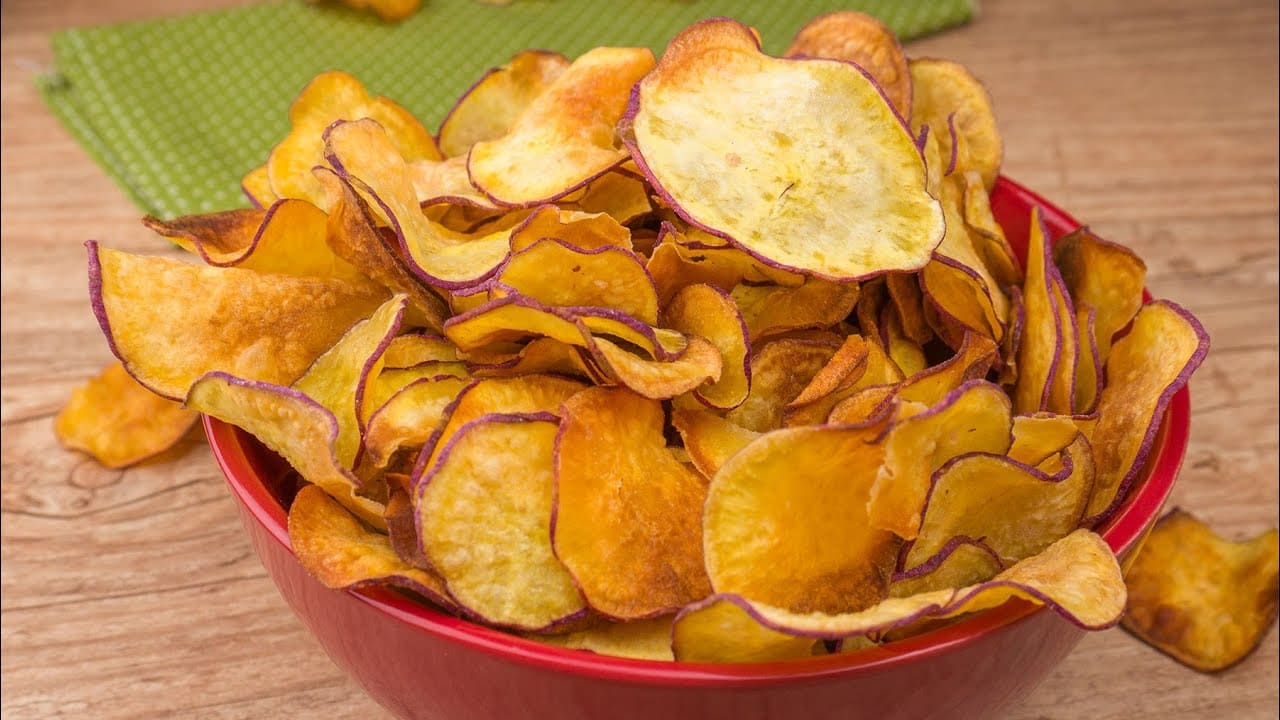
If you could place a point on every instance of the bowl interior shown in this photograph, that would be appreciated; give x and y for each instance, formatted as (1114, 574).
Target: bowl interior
(264, 485)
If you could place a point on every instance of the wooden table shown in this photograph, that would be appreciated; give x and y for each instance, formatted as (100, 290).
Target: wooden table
(134, 593)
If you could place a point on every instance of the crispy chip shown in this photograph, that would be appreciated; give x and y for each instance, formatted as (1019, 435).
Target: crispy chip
(170, 322)
(118, 421)
(337, 550)
(488, 109)
(409, 417)
(972, 360)
(780, 371)
(709, 439)
(770, 310)
(945, 93)
(1018, 510)
(1205, 601)
(1103, 276)
(865, 41)
(565, 137)
(721, 629)
(1146, 367)
(640, 639)
(786, 523)
(406, 351)
(484, 511)
(558, 274)
(972, 418)
(961, 562)
(699, 366)
(586, 231)
(1038, 437)
(620, 195)
(707, 312)
(628, 515)
(771, 184)
(293, 425)
(1044, 375)
(219, 238)
(330, 97)
(256, 186)
(539, 356)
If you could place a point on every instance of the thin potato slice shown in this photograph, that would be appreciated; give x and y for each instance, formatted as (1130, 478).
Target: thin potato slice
(1038, 437)
(1104, 276)
(1146, 367)
(769, 310)
(963, 561)
(864, 41)
(721, 629)
(488, 109)
(293, 425)
(707, 312)
(539, 356)
(558, 274)
(170, 322)
(628, 514)
(974, 417)
(709, 439)
(406, 351)
(941, 88)
(565, 137)
(219, 238)
(1018, 510)
(118, 421)
(1040, 348)
(972, 360)
(256, 186)
(484, 511)
(786, 522)
(640, 639)
(409, 417)
(771, 185)
(1204, 601)
(336, 549)
(780, 371)
(699, 366)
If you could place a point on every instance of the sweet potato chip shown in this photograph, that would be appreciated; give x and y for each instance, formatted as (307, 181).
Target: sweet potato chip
(628, 514)
(770, 310)
(1104, 276)
(558, 274)
(1146, 367)
(988, 237)
(1204, 601)
(972, 418)
(770, 185)
(565, 137)
(961, 562)
(721, 629)
(1018, 510)
(865, 41)
(409, 417)
(1078, 577)
(364, 156)
(786, 523)
(256, 186)
(942, 90)
(484, 511)
(908, 302)
(336, 549)
(780, 371)
(709, 439)
(903, 351)
(293, 425)
(972, 360)
(1088, 379)
(406, 351)
(640, 639)
(219, 238)
(586, 231)
(330, 97)
(118, 421)
(620, 195)
(539, 356)
(488, 109)
(1040, 353)
(170, 322)
(707, 312)
(864, 405)
(699, 366)
(1038, 437)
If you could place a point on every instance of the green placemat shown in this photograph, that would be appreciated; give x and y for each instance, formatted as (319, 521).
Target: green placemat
(176, 110)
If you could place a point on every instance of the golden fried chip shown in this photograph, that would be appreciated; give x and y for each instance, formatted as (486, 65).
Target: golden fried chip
(256, 186)
(780, 371)
(628, 515)
(770, 184)
(336, 549)
(864, 41)
(484, 511)
(1104, 276)
(1038, 437)
(171, 322)
(945, 93)
(409, 417)
(488, 109)
(219, 238)
(1146, 367)
(722, 629)
(699, 366)
(1018, 510)
(972, 360)
(640, 639)
(988, 237)
(771, 310)
(330, 97)
(961, 562)
(556, 273)
(587, 231)
(406, 351)
(707, 312)
(908, 302)
(974, 417)
(538, 356)
(618, 194)
(709, 439)
(1205, 601)
(118, 421)
(564, 138)
(1043, 374)
(786, 523)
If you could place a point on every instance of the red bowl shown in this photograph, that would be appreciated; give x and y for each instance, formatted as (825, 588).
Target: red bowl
(422, 663)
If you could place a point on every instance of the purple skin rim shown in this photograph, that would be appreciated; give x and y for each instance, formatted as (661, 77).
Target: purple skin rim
(627, 133)
(951, 128)
(1097, 359)
(421, 487)
(366, 371)
(945, 404)
(1045, 249)
(746, 357)
(934, 562)
(379, 460)
(253, 244)
(960, 353)
(973, 274)
(467, 93)
(1068, 467)
(1014, 329)
(104, 322)
(1154, 422)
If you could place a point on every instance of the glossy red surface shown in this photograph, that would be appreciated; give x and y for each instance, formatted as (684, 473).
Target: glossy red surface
(422, 663)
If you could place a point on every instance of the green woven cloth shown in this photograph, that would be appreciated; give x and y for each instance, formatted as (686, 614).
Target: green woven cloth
(176, 110)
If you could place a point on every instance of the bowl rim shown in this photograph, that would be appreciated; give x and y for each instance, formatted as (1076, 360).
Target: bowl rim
(233, 449)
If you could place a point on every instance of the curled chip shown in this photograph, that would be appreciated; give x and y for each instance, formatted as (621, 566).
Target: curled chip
(786, 521)
(564, 138)
(722, 629)
(770, 185)
(483, 513)
(707, 312)
(961, 562)
(118, 421)
(770, 310)
(556, 273)
(1204, 601)
(780, 371)
(639, 639)
(330, 97)
(945, 93)
(709, 439)
(490, 107)
(1105, 277)
(863, 40)
(698, 366)
(1044, 375)
(337, 550)
(258, 326)
(1146, 367)
(409, 417)
(628, 514)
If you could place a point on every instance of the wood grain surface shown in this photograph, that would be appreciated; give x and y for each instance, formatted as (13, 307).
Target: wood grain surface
(134, 594)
